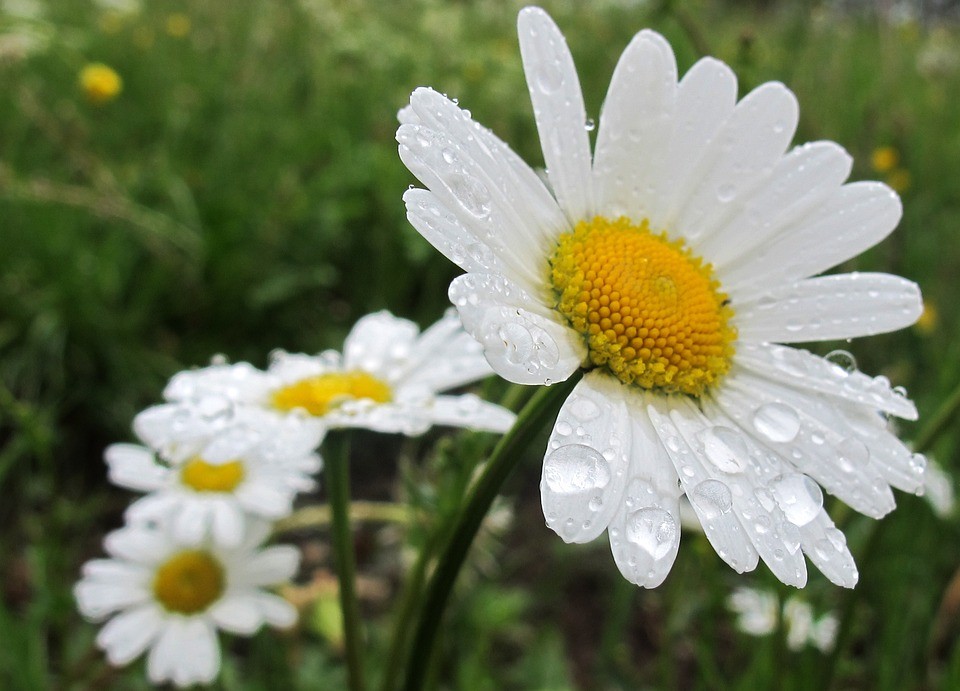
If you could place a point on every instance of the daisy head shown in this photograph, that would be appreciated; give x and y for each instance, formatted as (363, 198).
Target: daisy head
(163, 596)
(388, 379)
(211, 466)
(668, 261)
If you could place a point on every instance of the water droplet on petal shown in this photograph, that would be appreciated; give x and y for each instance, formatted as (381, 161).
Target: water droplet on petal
(653, 530)
(549, 77)
(854, 454)
(799, 497)
(517, 341)
(590, 125)
(726, 192)
(777, 422)
(842, 359)
(575, 468)
(713, 498)
(584, 409)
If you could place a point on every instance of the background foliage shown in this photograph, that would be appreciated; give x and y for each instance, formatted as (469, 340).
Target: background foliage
(242, 193)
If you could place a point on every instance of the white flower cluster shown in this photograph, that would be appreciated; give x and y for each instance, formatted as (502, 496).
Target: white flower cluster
(759, 614)
(225, 455)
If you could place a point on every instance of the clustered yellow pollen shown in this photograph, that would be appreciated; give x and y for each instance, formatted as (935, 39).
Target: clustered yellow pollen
(651, 311)
(189, 582)
(201, 476)
(321, 394)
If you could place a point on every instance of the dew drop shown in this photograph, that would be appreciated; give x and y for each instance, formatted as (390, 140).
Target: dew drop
(518, 342)
(777, 422)
(854, 454)
(799, 497)
(842, 359)
(549, 77)
(472, 194)
(590, 125)
(726, 192)
(713, 498)
(575, 468)
(584, 409)
(653, 530)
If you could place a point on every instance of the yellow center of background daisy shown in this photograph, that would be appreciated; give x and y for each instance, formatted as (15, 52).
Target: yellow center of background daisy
(321, 394)
(201, 476)
(189, 582)
(651, 312)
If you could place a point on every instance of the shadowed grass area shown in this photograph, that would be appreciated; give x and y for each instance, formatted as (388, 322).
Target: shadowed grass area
(243, 192)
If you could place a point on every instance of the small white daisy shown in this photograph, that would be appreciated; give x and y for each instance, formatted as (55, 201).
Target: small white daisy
(210, 466)
(388, 379)
(668, 262)
(171, 598)
(758, 614)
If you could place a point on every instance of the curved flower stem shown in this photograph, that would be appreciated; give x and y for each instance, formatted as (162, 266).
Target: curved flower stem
(538, 411)
(337, 473)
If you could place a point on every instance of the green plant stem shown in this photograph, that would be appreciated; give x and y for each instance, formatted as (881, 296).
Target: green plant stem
(538, 411)
(938, 423)
(337, 473)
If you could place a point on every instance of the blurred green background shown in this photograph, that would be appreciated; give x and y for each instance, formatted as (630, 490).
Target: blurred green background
(242, 192)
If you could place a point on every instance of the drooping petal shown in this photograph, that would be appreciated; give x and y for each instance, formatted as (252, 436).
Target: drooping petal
(135, 467)
(559, 111)
(635, 128)
(587, 459)
(827, 548)
(830, 308)
(520, 343)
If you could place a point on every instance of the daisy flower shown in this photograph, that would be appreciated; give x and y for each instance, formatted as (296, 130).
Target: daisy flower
(210, 467)
(170, 598)
(387, 379)
(669, 263)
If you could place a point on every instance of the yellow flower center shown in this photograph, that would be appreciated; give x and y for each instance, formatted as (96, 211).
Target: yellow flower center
(321, 394)
(100, 82)
(651, 311)
(189, 582)
(201, 476)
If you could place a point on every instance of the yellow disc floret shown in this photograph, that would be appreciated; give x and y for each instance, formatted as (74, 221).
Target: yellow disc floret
(651, 311)
(323, 393)
(189, 582)
(201, 476)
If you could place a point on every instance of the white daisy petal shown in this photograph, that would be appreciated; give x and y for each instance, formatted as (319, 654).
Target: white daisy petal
(805, 371)
(800, 182)
(272, 565)
(743, 152)
(471, 412)
(192, 522)
(856, 217)
(134, 467)
(237, 614)
(830, 308)
(635, 125)
(201, 653)
(127, 635)
(705, 98)
(136, 544)
(446, 357)
(802, 429)
(99, 598)
(645, 535)
(827, 549)
(522, 346)
(709, 496)
(227, 522)
(558, 108)
(377, 340)
(269, 501)
(772, 533)
(461, 184)
(275, 610)
(443, 230)
(585, 467)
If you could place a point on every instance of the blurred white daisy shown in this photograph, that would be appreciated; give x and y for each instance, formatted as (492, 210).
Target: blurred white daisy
(171, 598)
(758, 614)
(387, 380)
(209, 467)
(668, 262)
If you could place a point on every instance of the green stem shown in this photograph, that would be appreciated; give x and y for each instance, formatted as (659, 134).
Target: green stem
(938, 423)
(337, 473)
(534, 416)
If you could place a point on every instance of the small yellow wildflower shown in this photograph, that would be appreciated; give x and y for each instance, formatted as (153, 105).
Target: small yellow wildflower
(100, 83)
(884, 159)
(927, 323)
(178, 25)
